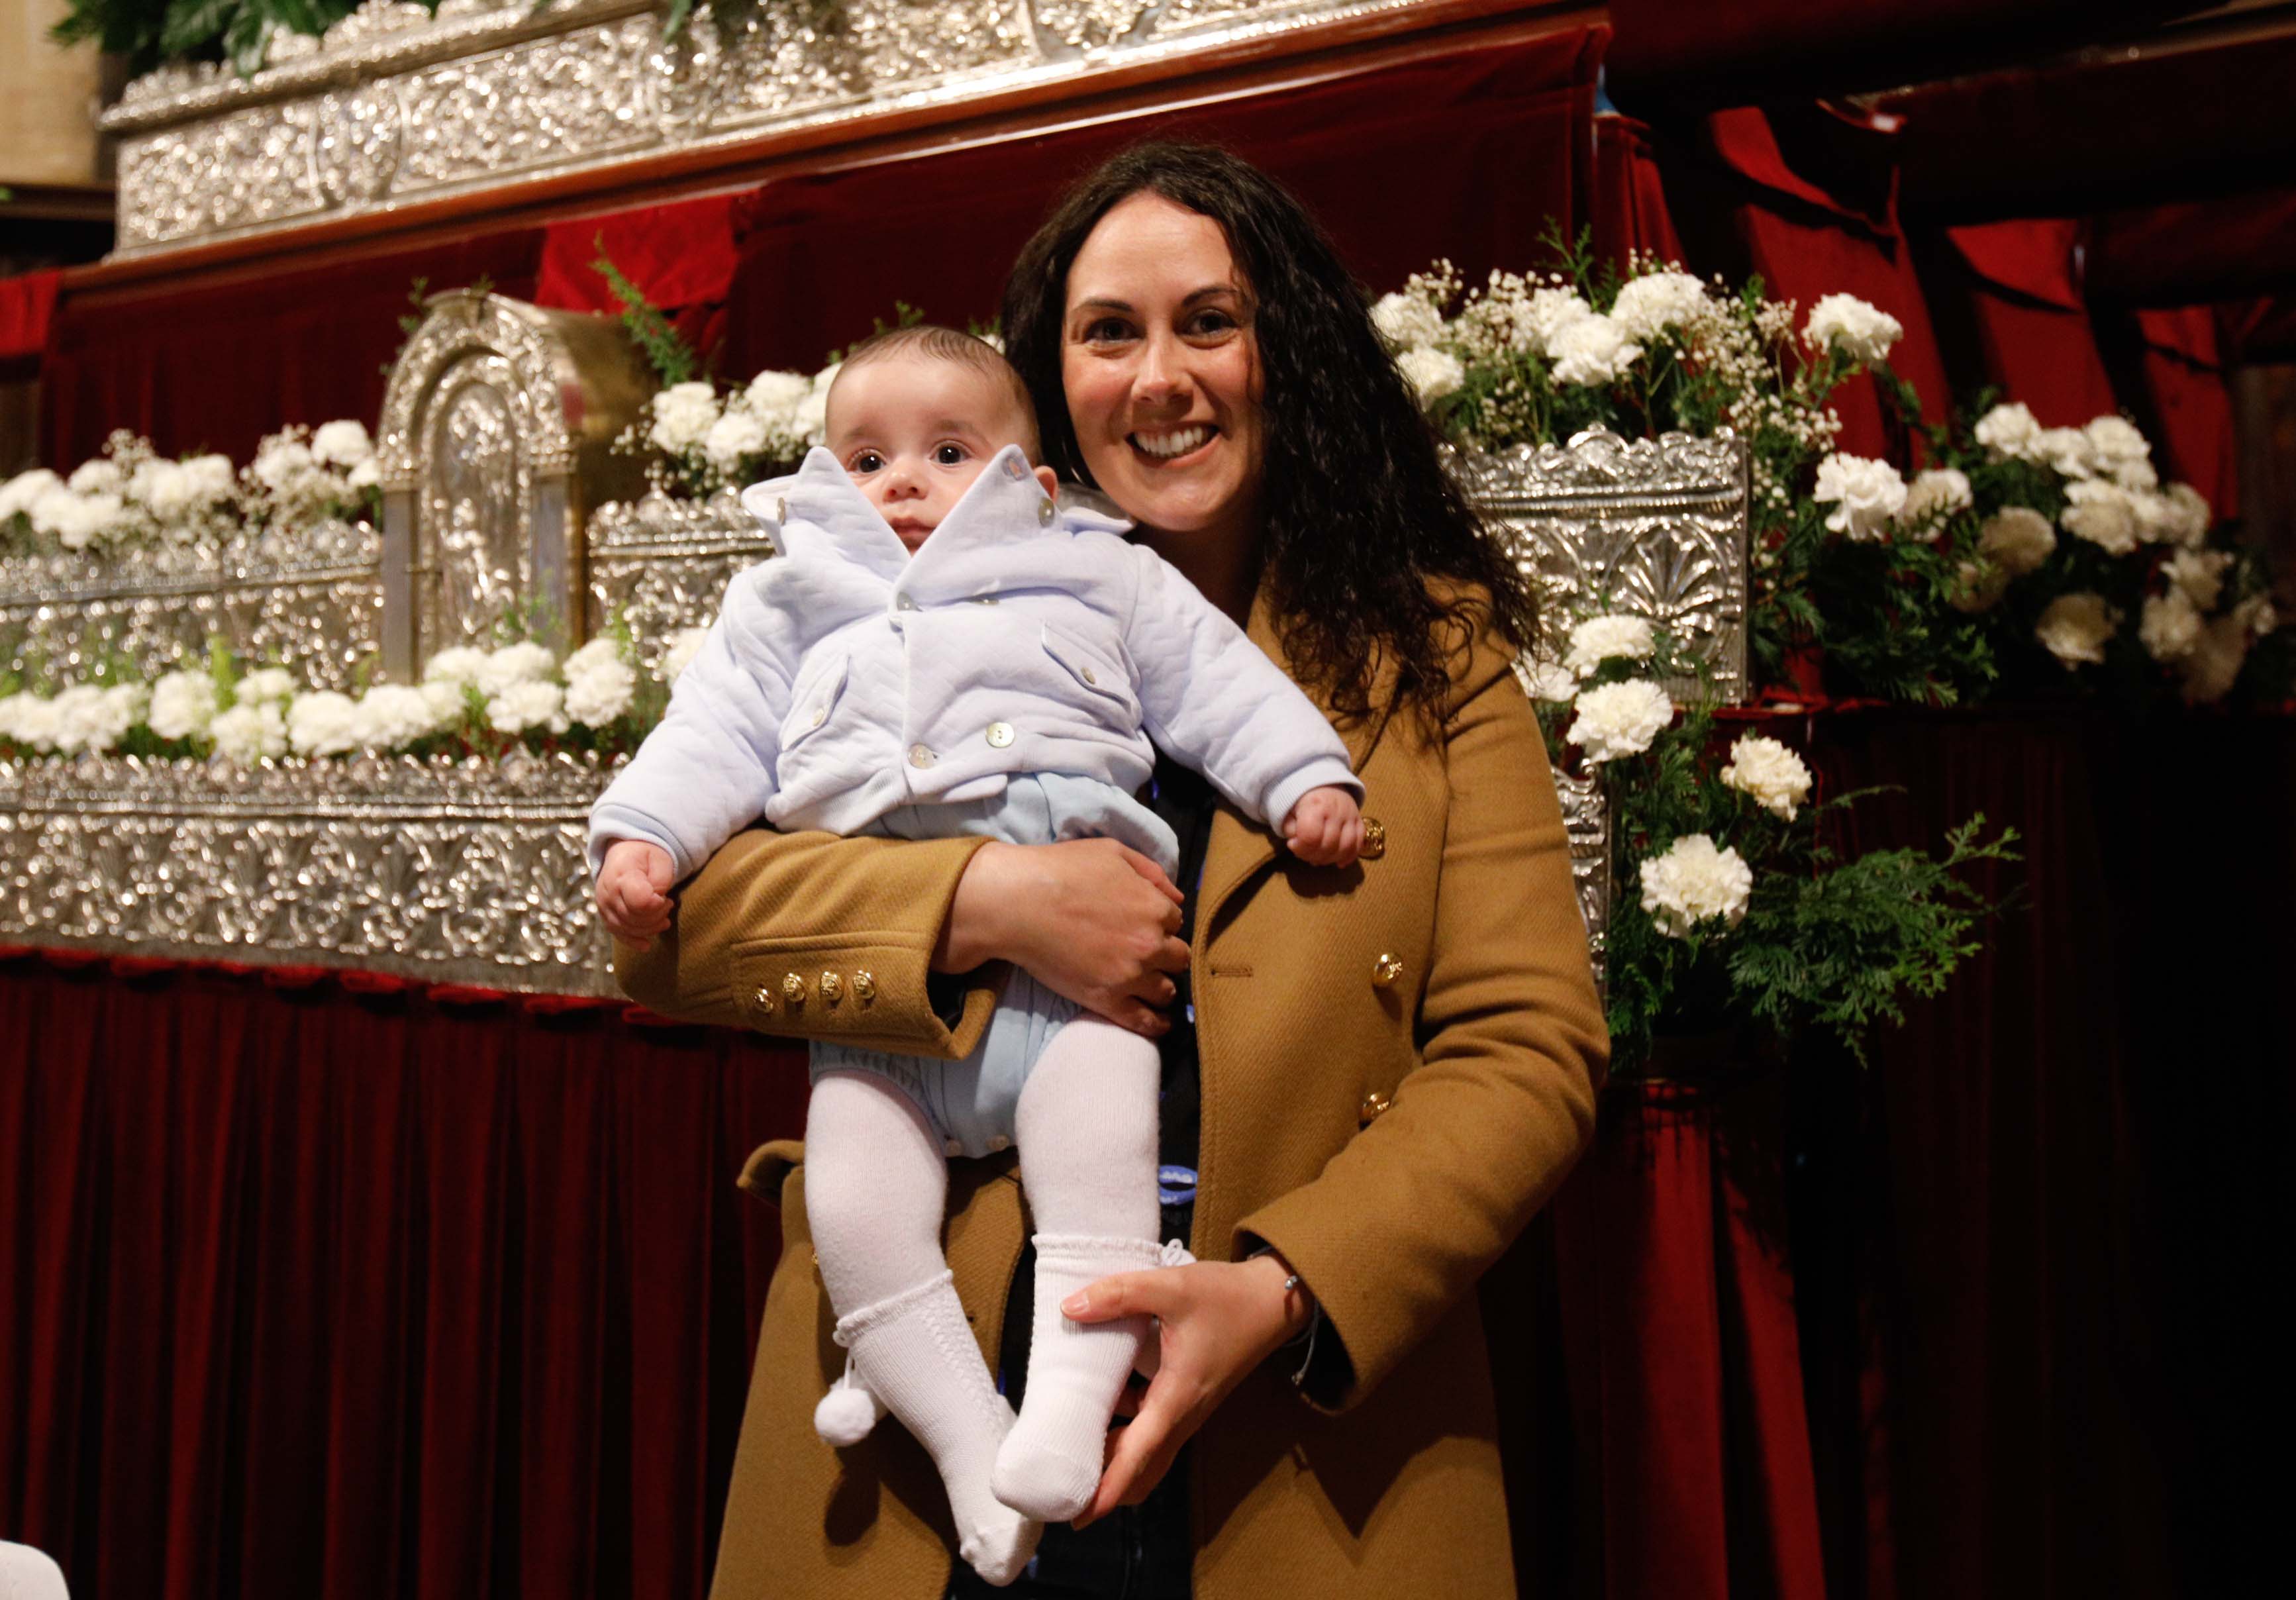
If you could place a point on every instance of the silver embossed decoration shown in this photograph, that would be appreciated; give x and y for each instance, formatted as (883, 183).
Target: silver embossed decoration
(496, 435)
(663, 564)
(1656, 526)
(1586, 819)
(452, 872)
(309, 595)
(394, 106)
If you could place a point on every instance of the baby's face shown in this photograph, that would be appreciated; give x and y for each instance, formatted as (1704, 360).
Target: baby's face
(914, 432)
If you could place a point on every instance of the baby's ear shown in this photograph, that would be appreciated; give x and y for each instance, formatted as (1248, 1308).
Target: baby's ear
(1050, 479)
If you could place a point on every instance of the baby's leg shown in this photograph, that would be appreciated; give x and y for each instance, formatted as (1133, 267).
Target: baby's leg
(1087, 1122)
(875, 1187)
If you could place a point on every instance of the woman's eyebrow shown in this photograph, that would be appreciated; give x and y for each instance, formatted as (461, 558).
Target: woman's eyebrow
(1103, 303)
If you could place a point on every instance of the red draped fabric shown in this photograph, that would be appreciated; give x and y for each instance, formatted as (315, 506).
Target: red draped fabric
(322, 1293)
(1629, 208)
(2184, 396)
(2009, 293)
(1468, 155)
(28, 304)
(682, 255)
(217, 368)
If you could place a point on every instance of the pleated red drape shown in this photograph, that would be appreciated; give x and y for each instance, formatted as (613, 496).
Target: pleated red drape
(314, 1292)
(2008, 294)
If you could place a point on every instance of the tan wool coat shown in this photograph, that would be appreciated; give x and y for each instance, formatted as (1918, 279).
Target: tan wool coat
(1399, 1066)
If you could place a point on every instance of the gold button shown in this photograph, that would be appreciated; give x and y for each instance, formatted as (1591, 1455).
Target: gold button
(765, 999)
(1374, 1105)
(920, 756)
(1000, 734)
(793, 991)
(953, 1148)
(820, 715)
(832, 989)
(1385, 970)
(1090, 678)
(780, 509)
(864, 987)
(1375, 844)
(997, 1141)
(1045, 512)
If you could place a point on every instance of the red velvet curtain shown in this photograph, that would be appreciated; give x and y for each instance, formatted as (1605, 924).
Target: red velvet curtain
(318, 1291)
(2008, 302)
(1467, 155)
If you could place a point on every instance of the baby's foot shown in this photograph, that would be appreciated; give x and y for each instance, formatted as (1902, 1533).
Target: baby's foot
(997, 1542)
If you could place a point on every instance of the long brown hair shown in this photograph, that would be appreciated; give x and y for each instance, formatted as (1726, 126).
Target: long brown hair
(1370, 550)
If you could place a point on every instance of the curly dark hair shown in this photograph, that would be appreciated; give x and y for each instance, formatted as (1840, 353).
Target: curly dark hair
(1359, 513)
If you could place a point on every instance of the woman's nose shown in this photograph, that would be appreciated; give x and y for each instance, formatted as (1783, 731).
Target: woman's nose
(1162, 374)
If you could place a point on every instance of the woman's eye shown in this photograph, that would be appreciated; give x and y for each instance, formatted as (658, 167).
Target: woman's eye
(1212, 322)
(949, 455)
(1108, 330)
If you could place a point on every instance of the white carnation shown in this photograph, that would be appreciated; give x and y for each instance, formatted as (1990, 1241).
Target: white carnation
(2189, 517)
(323, 723)
(2100, 513)
(211, 477)
(248, 733)
(1694, 881)
(2067, 450)
(1406, 321)
(456, 664)
(284, 465)
(33, 721)
(592, 656)
(1547, 313)
(19, 493)
(1865, 494)
(1649, 304)
(342, 444)
(1978, 585)
(1432, 374)
(2119, 451)
(183, 704)
(100, 476)
(1933, 496)
(2256, 615)
(596, 697)
(76, 521)
(2018, 539)
(524, 662)
(683, 417)
(1545, 680)
(2075, 628)
(1770, 771)
(367, 474)
(2169, 627)
(2198, 575)
(264, 684)
(2010, 430)
(731, 437)
(679, 650)
(773, 399)
(447, 701)
(527, 706)
(1599, 638)
(2216, 660)
(392, 715)
(1592, 349)
(811, 423)
(1859, 330)
(1620, 720)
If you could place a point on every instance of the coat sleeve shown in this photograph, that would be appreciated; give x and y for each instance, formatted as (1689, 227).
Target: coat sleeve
(1403, 1219)
(769, 906)
(1211, 698)
(708, 770)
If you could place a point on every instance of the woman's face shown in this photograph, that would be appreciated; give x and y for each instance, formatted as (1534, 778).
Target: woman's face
(1161, 370)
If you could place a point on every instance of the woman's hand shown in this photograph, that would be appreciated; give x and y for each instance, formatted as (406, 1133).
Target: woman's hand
(1218, 1320)
(1090, 919)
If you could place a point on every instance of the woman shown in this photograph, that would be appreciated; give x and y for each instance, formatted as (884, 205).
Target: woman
(1373, 1078)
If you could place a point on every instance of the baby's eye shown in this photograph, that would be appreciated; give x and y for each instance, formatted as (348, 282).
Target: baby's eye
(865, 461)
(949, 455)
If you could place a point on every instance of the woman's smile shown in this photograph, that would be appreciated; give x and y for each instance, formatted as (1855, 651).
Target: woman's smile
(1168, 446)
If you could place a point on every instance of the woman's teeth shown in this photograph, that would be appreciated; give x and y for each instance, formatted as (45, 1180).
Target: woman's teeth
(1167, 445)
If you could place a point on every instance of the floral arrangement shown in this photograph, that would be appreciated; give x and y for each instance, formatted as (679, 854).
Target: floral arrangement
(1909, 589)
(602, 698)
(702, 440)
(130, 495)
(1730, 912)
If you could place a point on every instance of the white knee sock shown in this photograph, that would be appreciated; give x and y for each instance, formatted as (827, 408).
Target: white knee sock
(876, 1183)
(1088, 1136)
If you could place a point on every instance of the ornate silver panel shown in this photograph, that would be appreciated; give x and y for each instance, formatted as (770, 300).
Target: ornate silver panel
(1586, 818)
(663, 564)
(1657, 527)
(497, 429)
(447, 873)
(394, 106)
(313, 597)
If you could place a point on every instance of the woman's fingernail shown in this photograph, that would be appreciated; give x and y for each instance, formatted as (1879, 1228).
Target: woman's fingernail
(1076, 1304)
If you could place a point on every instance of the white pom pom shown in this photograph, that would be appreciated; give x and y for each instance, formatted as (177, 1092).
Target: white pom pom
(845, 1414)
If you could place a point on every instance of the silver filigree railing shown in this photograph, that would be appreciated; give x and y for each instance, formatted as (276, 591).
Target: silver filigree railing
(663, 564)
(312, 595)
(448, 872)
(394, 106)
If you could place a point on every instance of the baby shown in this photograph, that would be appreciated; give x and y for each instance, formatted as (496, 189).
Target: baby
(942, 649)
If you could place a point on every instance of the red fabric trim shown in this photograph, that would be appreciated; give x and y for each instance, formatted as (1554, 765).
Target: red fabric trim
(680, 254)
(2034, 257)
(28, 307)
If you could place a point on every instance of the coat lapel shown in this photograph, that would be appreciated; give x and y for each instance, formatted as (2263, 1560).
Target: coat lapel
(1237, 847)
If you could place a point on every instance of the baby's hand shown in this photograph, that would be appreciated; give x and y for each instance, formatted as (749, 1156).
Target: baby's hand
(1325, 829)
(634, 891)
